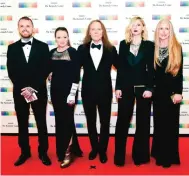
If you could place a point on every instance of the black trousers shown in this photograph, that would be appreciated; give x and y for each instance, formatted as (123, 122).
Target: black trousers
(104, 107)
(166, 129)
(141, 148)
(65, 125)
(39, 110)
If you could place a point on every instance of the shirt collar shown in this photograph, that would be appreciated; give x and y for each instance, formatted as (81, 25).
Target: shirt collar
(27, 40)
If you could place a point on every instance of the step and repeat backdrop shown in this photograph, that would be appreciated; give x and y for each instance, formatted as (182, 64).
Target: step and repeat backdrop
(75, 15)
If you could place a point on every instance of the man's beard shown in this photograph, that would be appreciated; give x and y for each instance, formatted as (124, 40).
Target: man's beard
(26, 37)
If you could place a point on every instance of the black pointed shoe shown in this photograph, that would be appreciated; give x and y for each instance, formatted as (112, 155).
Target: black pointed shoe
(103, 158)
(93, 155)
(22, 159)
(45, 159)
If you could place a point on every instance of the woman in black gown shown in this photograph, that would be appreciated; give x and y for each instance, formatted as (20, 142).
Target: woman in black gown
(167, 96)
(64, 84)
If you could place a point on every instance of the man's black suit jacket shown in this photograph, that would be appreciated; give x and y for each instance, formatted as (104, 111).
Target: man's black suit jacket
(32, 73)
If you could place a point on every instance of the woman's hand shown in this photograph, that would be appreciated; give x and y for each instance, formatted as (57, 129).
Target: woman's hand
(147, 94)
(118, 93)
(177, 98)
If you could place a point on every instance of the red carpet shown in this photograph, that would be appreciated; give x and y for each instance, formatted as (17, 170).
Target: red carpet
(10, 151)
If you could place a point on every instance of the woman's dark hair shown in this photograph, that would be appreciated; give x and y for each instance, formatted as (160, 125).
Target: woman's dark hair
(62, 29)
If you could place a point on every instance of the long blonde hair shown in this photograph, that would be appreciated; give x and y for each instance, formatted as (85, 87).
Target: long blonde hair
(128, 33)
(174, 49)
(105, 39)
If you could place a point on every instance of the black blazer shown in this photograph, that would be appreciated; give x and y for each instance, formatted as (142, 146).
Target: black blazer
(97, 82)
(32, 73)
(142, 73)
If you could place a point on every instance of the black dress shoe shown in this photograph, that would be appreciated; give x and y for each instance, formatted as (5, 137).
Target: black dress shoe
(22, 158)
(45, 159)
(166, 165)
(158, 163)
(119, 164)
(92, 155)
(103, 158)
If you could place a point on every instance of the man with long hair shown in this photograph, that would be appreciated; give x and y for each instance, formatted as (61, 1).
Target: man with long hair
(97, 55)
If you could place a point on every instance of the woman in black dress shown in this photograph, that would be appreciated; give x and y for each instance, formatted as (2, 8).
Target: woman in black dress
(134, 81)
(167, 95)
(64, 84)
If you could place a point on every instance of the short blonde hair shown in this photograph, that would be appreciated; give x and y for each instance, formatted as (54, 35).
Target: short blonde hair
(128, 34)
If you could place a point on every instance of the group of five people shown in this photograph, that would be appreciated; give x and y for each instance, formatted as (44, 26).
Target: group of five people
(146, 72)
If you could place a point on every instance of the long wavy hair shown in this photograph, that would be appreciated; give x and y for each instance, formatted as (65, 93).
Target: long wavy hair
(174, 49)
(105, 39)
(128, 33)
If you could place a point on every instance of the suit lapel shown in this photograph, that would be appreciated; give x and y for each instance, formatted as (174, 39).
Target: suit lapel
(33, 50)
(21, 52)
(102, 58)
(89, 55)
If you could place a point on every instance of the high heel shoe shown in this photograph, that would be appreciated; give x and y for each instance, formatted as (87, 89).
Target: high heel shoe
(69, 158)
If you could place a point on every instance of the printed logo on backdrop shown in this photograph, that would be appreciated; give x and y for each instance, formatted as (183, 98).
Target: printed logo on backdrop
(6, 89)
(50, 31)
(80, 113)
(131, 16)
(79, 30)
(184, 3)
(134, 4)
(51, 42)
(5, 4)
(5, 30)
(7, 101)
(184, 30)
(54, 17)
(3, 55)
(186, 54)
(184, 42)
(27, 4)
(77, 4)
(161, 4)
(3, 67)
(5, 78)
(186, 78)
(5, 17)
(8, 113)
(111, 30)
(81, 17)
(108, 17)
(10, 125)
(54, 4)
(184, 113)
(109, 4)
(6, 42)
(78, 42)
(160, 17)
(185, 17)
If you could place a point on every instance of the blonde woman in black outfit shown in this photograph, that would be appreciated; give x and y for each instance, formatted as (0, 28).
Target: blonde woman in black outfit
(64, 84)
(134, 81)
(168, 63)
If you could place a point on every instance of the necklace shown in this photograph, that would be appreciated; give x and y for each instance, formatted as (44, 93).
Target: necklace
(163, 53)
(134, 48)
